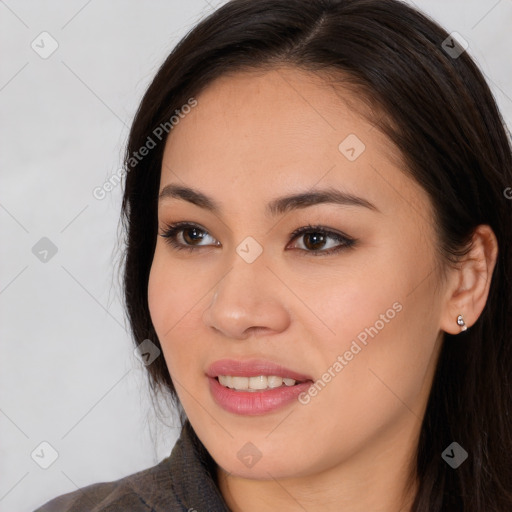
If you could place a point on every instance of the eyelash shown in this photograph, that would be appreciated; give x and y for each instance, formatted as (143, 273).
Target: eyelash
(171, 230)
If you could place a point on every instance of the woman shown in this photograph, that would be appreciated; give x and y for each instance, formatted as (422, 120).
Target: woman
(318, 241)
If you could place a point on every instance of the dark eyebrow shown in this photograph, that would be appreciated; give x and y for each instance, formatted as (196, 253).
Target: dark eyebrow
(277, 206)
(317, 196)
(190, 195)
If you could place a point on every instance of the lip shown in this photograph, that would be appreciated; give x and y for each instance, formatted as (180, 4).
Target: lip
(252, 403)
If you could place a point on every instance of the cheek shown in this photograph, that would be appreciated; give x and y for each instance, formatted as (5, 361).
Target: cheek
(172, 290)
(383, 315)
(161, 296)
(175, 299)
(167, 302)
(352, 298)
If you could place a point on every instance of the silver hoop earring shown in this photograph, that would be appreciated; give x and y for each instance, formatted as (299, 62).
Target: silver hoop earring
(461, 323)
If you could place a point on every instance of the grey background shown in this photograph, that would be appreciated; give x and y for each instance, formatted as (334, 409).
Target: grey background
(68, 375)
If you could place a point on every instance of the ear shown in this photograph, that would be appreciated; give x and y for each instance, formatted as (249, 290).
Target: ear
(469, 283)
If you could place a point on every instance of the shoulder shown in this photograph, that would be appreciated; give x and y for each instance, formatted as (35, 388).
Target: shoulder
(182, 482)
(134, 493)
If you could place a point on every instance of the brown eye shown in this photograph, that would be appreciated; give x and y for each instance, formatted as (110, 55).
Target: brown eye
(319, 241)
(183, 235)
(192, 235)
(314, 241)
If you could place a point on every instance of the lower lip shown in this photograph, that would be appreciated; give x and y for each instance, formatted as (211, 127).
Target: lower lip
(252, 403)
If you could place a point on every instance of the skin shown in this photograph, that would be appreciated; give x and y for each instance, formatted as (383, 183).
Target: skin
(254, 137)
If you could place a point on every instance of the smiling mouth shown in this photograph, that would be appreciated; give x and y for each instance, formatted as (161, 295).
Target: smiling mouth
(257, 383)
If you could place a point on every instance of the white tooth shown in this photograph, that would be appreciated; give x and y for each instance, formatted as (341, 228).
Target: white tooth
(226, 380)
(259, 382)
(240, 382)
(274, 381)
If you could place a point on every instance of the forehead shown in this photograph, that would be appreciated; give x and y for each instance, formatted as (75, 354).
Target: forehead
(274, 117)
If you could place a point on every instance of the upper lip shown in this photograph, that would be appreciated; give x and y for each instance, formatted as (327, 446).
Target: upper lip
(252, 368)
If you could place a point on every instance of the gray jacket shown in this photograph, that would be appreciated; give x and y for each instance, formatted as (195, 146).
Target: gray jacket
(182, 482)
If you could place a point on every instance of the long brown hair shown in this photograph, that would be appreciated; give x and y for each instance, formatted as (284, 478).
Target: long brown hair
(440, 113)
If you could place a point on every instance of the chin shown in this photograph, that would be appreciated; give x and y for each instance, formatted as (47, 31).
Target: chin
(266, 464)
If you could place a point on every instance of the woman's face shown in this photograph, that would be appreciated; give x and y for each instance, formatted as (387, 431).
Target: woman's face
(352, 303)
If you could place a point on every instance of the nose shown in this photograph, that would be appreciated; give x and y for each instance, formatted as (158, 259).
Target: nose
(248, 300)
